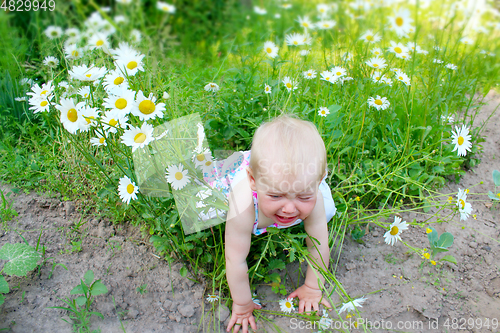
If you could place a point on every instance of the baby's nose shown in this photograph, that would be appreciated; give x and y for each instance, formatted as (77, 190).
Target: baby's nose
(289, 208)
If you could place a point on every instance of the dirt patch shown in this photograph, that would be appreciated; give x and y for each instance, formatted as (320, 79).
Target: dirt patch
(147, 295)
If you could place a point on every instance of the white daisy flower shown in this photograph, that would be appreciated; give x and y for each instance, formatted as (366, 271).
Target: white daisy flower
(177, 176)
(310, 74)
(72, 52)
(377, 77)
(267, 89)
(303, 53)
(448, 118)
(165, 7)
(71, 117)
(451, 66)
(84, 73)
(145, 107)
(84, 92)
(90, 115)
(370, 37)
(99, 41)
(328, 76)
(351, 306)
(129, 63)
(271, 49)
(53, 32)
(138, 137)
(401, 22)
(379, 103)
(98, 141)
(338, 71)
(323, 111)
(259, 11)
(115, 81)
(465, 209)
(127, 189)
(325, 322)
(325, 24)
(112, 120)
(212, 87)
(305, 22)
(294, 39)
(203, 158)
(437, 61)
(121, 99)
(397, 48)
(21, 99)
(286, 6)
(290, 84)
(135, 36)
(461, 140)
(212, 298)
(39, 104)
(395, 229)
(44, 92)
(400, 76)
(286, 305)
(377, 51)
(323, 9)
(51, 61)
(467, 41)
(377, 63)
(119, 19)
(73, 33)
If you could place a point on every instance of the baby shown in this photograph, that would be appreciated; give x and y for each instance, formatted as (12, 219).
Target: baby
(281, 185)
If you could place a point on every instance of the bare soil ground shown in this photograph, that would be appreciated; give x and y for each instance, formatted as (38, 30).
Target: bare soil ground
(403, 295)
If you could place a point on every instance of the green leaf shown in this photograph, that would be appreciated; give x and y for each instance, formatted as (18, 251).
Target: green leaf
(436, 250)
(89, 277)
(2, 299)
(22, 258)
(98, 288)
(445, 241)
(183, 272)
(450, 259)
(433, 236)
(492, 196)
(496, 177)
(81, 300)
(77, 290)
(4, 286)
(96, 314)
(276, 264)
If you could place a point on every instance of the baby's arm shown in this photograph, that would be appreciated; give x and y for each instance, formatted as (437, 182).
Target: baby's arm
(239, 227)
(316, 227)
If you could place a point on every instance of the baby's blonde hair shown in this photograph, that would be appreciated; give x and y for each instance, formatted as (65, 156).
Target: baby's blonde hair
(293, 144)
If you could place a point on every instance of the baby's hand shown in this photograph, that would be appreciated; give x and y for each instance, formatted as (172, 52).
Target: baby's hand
(242, 316)
(309, 297)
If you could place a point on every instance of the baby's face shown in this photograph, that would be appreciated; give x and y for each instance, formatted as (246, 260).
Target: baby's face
(288, 199)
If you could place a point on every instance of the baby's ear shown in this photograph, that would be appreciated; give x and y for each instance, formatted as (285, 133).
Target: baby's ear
(251, 179)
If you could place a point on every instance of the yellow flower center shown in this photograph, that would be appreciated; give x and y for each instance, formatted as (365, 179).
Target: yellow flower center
(43, 92)
(165, 8)
(54, 33)
(397, 49)
(101, 140)
(72, 115)
(288, 305)
(269, 50)
(377, 78)
(121, 103)
(132, 64)
(399, 21)
(289, 85)
(89, 119)
(178, 175)
(462, 203)
(130, 188)
(44, 103)
(378, 102)
(208, 163)
(394, 231)
(140, 138)
(375, 65)
(146, 106)
(295, 42)
(74, 53)
(460, 140)
(113, 122)
(100, 42)
(401, 78)
(369, 38)
(305, 24)
(118, 80)
(200, 157)
(88, 75)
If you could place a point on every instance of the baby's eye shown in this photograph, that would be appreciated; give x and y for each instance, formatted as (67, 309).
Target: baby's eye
(305, 198)
(275, 196)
